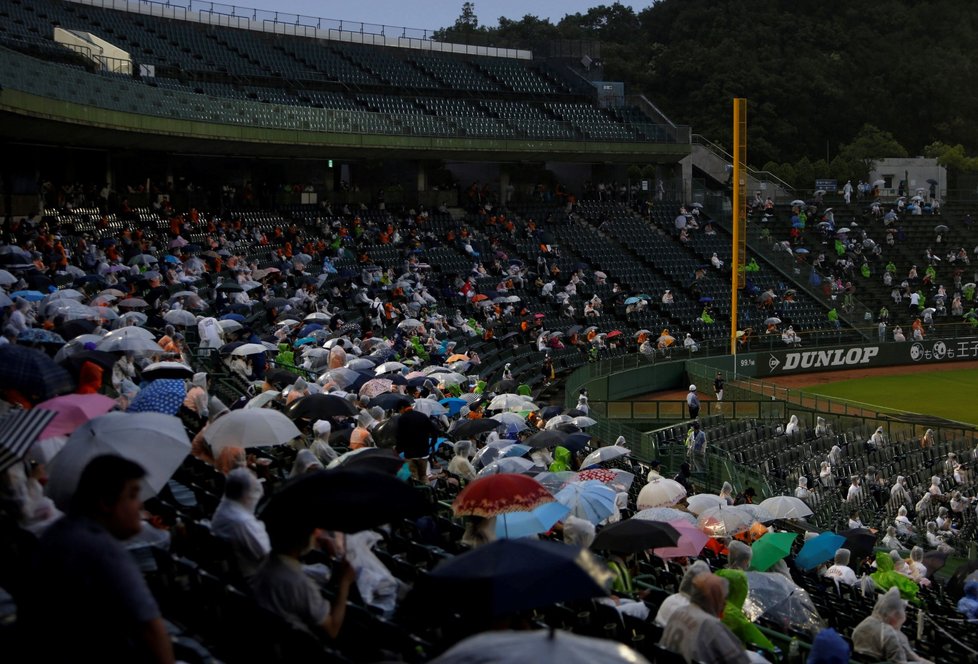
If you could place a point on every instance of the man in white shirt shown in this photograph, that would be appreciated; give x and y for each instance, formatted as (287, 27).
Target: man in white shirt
(840, 571)
(234, 520)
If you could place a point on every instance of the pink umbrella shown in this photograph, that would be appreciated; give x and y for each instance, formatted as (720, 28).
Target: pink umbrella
(73, 410)
(415, 374)
(374, 387)
(691, 541)
(178, 242)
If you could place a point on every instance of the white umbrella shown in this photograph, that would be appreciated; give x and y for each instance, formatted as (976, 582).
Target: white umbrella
(131, 318)
(317, 317)
(263, 399)
(583, 422)
(603, 454)
(703, 501)
(167, 370)
(389, 367)
(665, 514)
(132, 344)
(155, 441)
(131, 331)
(409, 324)
(516, 465)
(180, 317)
(786, 507)
(660, 492)
(452, 378)
(724, 521)
(510, 420)
(511, 647)
(429, 407)
(360, 364)
(7, 279)
(230, 325)
(557, 420)
(797, 201)
(253, 427)
(249, 349)
(513, 402)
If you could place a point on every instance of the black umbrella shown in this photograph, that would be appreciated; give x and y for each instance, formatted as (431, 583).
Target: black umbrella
(280, 378)
(74, 328)
(471, 428)
(32, 373)
(634, 535)
(504, 387)
(319, 407)
(391, 401)
(860, 542)
(372, 458)
(231, 287)
(576, 442)
(573, 412)
(548, 438)
(346, 500)
(415, 435)
(340, 437)
(550, 411)
(511, 575)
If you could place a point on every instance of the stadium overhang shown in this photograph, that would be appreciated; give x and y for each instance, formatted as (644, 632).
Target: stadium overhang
(31, 118)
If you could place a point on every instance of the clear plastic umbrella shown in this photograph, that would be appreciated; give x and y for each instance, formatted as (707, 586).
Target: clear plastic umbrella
(667, 514)
(703, 501)
(724, 521)
(603, 454)
(776, 597)
(786, 507)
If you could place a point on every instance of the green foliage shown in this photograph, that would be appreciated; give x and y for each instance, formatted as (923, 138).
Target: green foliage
(813, 73)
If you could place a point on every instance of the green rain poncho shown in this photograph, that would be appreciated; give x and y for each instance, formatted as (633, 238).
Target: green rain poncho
(562, 459)
(706, 317)
(840, 248)
(885, 578)
(752, 266)
(864, 270)
(285, 357)
(733, 612)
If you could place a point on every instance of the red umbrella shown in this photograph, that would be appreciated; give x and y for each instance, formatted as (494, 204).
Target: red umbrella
(613, 334)
(480, 297)
(492, 495)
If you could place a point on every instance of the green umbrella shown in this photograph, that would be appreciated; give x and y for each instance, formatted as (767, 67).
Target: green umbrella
(769, 549)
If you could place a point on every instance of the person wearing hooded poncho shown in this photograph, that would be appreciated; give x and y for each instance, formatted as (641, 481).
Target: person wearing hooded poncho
(885, 577)
(968, 605)
(696, 632)
(879, 635)
(840, 571)
(733, 612)
(681, 598)
(461, 465)
(562, 460)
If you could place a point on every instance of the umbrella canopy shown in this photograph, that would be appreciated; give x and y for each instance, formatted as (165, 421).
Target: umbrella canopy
(818, 550)
(73, 410)
(703, 501)
(860, 542)
(453, 405)
(167, 370)
(320, 406)
(605, 454)
(164, 395)
(471, 428)
(660, 492)
(429, 407)
(514, 465)
(249, 349)
(777, 597)
(577, 442)
(538, 646)
(341, 376)
(511, 575)
(18, 431)
(691, 541)
(155, 441)
(543, 439)
(391, 401)
(757, 513)
(723, 521)
(369, 458)
(250, 427)
(32, 373)
(526, 524)
(667, 514)
(263, 399)
(512, 402)
(500, 493)
(591, 500)
(769, 549)
(786, 507)
(388, 367)
(634, 535)
(133, 303)
(619, 480)
(128, 344)
(582, 421)
(375, 387)
(344, 499)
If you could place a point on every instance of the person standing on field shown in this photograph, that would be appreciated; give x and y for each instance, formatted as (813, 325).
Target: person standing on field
(693, 401)
(718, 386)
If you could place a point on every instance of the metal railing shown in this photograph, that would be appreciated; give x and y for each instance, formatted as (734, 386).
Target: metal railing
(760, 176)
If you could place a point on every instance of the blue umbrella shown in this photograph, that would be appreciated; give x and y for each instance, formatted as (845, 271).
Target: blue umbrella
(591, 500)
(633, 300)
(40, 336)
(304, 340)
(171, 259)
(801, 250)
(164, 395)
(237, 317)
(33, 373)
(29, 295)
(516, 450)
(819, 550)
(309, 329)
(453, 405)
(526, 524)
(706, 299)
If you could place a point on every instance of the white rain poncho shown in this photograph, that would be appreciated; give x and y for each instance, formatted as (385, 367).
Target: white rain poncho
(875, 637)
(681, 598)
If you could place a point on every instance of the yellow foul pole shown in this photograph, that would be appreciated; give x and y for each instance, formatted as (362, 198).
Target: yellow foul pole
(739, 181)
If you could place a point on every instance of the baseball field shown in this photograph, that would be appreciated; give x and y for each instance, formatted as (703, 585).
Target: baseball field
(940, 392)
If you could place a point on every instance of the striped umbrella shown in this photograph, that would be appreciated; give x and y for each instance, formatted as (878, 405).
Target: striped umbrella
(18, 431)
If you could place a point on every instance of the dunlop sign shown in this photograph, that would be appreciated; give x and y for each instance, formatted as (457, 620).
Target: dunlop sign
(857, 357)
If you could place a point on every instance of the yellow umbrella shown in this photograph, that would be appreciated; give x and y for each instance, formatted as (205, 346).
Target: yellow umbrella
(457, 357)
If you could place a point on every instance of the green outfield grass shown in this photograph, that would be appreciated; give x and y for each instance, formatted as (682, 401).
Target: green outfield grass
(940, 393)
